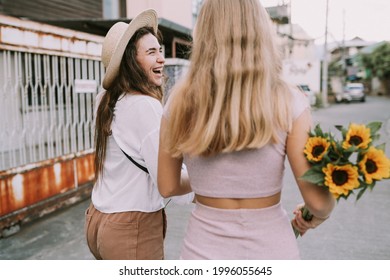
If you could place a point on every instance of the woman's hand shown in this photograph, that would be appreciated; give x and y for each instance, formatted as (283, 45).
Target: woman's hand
(301, 224)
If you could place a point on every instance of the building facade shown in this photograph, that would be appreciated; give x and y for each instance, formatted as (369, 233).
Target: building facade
(177, 11)
(301, 62)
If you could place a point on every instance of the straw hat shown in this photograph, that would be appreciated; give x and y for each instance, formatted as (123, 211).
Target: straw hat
(116, 40)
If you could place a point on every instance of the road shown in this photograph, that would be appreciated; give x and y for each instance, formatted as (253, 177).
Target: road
(355, 231)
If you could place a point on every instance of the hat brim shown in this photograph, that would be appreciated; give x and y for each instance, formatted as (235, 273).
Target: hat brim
(147, 18)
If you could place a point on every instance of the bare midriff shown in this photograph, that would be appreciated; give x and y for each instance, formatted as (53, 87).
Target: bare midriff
(239, 203)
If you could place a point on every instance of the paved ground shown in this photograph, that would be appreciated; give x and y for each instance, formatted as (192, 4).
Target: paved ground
(356, 230)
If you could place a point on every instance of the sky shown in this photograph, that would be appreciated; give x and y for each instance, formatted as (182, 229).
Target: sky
(367, 19)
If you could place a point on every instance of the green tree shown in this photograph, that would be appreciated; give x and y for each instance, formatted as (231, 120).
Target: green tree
(378, 63)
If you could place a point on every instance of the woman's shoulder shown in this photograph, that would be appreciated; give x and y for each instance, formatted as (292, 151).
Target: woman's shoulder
(140, 101)
(136, 113)
(139, 98)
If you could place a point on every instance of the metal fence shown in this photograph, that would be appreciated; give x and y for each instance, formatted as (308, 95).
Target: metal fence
(47, 104)
(174, 68)
(46, 112)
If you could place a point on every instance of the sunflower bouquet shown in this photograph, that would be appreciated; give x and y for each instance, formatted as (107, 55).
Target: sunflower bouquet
(347, 166)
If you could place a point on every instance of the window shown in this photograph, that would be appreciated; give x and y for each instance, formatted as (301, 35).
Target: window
(111, 9)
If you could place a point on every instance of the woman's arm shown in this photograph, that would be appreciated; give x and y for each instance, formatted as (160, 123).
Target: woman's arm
(318, 200)
(172, 180)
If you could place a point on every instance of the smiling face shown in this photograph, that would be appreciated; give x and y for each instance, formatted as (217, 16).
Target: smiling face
(150, 58)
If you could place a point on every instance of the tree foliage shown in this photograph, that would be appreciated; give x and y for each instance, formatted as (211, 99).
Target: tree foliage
(379, 61)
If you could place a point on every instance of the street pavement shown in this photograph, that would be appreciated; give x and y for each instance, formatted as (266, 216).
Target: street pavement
(355, 231)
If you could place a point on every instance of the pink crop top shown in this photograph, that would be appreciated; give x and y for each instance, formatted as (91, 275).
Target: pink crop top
(244, 174)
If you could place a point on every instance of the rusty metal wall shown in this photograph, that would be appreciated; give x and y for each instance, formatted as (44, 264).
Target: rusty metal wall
(24, 186)
(49, 78)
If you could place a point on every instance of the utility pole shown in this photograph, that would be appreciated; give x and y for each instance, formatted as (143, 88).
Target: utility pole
(291, 40)
(344, 54)
(325, 63)
(343, 40)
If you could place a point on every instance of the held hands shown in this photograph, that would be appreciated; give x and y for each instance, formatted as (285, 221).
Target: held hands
(303, 221)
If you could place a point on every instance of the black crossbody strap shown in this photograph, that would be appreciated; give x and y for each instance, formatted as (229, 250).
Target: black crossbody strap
(143, 168)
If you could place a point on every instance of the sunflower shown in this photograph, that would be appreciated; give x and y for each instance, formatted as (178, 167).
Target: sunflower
(358, 136)
(341, 179)
(375, 165)
(316, 148)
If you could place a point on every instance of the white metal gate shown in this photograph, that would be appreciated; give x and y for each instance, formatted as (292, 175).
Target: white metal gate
(44, 113)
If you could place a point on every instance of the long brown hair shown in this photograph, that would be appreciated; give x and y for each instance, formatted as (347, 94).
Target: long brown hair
(131, 78)
(233, 96)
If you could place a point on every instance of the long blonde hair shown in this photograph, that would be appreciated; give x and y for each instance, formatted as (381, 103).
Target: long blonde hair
(233, 96)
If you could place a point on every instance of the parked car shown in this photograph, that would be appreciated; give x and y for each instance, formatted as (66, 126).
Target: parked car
(309, 93)
(352, 92)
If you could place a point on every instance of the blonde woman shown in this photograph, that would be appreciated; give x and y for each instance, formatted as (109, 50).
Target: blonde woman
(233, 120)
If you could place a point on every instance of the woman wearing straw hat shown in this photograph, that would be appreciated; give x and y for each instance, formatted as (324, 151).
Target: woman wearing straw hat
(126, 219)
(233, 120)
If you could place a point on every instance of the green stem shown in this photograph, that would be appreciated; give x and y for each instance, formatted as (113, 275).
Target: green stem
(307, 216)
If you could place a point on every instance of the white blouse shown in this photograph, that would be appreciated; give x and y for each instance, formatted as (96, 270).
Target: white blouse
(135, 130)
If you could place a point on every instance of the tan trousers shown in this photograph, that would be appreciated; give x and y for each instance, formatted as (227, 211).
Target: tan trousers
(126, 235)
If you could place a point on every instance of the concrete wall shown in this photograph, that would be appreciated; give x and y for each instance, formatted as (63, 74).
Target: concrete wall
(303, 71)
(177, 11)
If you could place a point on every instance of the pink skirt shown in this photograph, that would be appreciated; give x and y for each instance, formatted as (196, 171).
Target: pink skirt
(239, 234)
